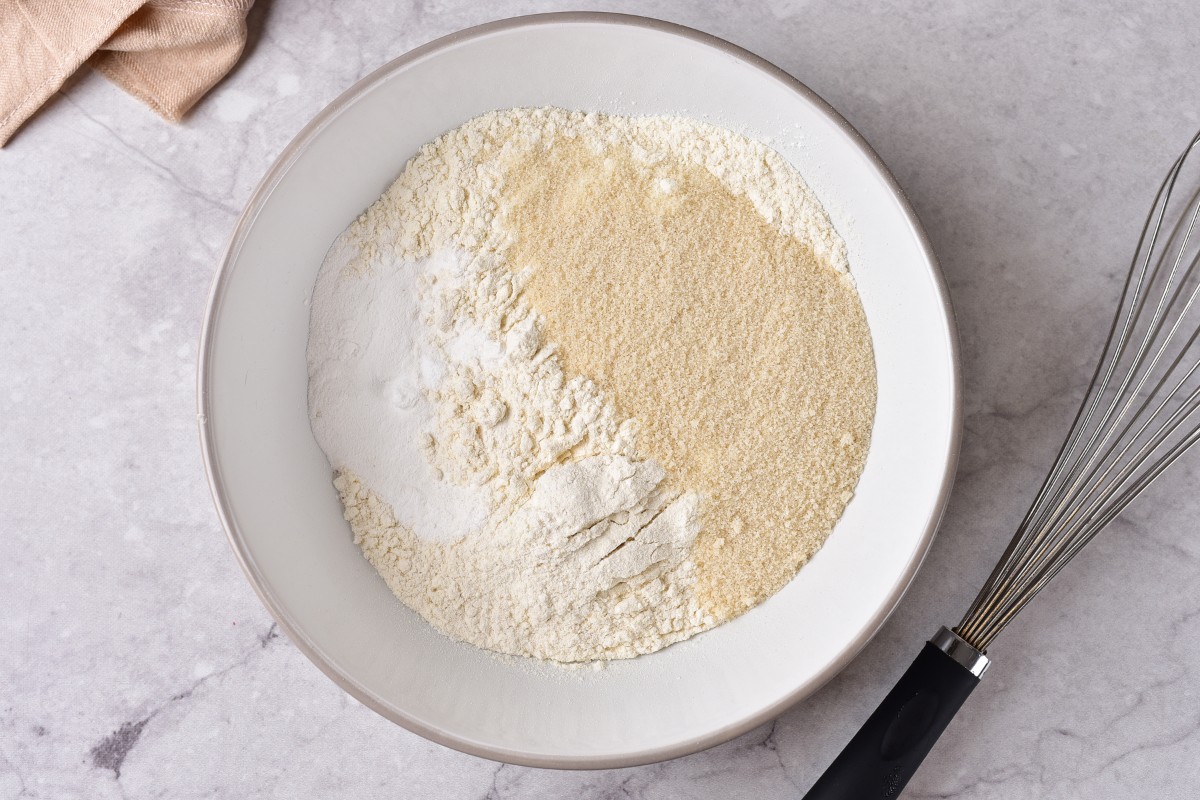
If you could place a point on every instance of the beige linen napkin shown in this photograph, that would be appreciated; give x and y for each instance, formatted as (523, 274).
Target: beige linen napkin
(167, 53)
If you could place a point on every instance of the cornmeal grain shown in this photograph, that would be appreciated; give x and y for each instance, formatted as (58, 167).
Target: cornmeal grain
(744, 356)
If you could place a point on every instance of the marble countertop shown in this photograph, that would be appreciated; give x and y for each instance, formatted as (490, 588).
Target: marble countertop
(137, 662)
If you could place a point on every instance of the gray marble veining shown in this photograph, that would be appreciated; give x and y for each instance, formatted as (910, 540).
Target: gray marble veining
(136, 661)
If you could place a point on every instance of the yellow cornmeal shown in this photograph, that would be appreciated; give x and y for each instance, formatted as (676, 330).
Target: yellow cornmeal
(746, 360)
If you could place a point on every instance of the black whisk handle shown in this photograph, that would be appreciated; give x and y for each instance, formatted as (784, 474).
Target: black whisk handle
(886, 752)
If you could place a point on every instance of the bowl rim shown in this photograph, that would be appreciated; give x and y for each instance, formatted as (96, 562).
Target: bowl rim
(284, 619)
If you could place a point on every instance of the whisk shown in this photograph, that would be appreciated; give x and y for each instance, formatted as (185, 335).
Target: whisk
(1137, 418)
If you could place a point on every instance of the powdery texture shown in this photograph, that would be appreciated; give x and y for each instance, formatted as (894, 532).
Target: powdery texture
(745, 357)
(590, 550)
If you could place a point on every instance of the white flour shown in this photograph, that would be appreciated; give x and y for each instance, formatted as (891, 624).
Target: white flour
(499, 498)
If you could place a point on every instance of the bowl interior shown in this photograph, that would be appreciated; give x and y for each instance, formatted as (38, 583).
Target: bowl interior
(272, 483)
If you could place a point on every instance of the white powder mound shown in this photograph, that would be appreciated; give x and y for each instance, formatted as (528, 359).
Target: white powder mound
(371, 366)
(505, 501)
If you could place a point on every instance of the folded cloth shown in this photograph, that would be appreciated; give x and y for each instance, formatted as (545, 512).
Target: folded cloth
(167, 53)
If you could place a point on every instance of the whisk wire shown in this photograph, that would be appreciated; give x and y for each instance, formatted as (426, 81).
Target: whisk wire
(1099, 492)
(1002, 576)
(997, 623)
(1057, 540)
(1127, 430)
(1102, 429)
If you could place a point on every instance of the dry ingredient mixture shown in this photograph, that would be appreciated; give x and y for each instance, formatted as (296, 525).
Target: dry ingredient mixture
(590, 384)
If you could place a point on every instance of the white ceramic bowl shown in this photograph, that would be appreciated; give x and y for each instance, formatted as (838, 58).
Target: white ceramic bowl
(272, 483)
